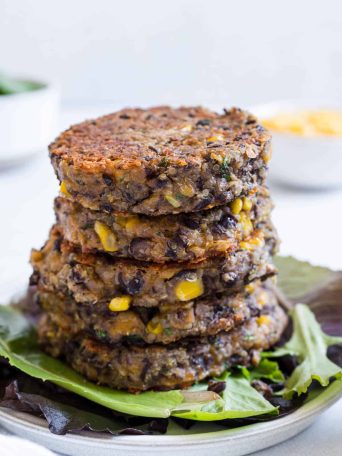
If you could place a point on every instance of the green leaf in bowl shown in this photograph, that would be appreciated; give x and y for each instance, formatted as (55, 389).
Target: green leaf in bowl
(10, 86)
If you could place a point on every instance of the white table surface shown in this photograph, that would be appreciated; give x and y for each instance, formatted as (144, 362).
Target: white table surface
(309, 224)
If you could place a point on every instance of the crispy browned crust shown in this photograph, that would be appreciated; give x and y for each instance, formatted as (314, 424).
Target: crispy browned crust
(179, 365)
(179, 237)
(134, 160)
(62, 269)
(202, 317)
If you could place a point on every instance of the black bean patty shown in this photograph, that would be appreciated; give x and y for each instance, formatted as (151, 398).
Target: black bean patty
(60, 268)
(167, 324)
(182, 237)
(179, 365)
(161, 160)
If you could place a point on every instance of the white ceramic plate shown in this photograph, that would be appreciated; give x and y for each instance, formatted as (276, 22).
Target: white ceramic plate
(201, 440)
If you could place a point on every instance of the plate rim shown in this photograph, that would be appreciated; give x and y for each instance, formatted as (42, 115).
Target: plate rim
(307, 411)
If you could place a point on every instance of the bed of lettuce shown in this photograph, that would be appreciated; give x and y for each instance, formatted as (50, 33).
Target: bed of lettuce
(35, 383)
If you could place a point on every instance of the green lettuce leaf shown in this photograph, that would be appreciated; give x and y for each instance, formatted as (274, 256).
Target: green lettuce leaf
(266, 370)
(18, 345)
(319, 287)
(309, 344)
(239, 400)
(298, 279)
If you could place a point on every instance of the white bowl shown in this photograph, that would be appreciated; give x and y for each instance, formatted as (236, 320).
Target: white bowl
(300, 161)
(27, 122)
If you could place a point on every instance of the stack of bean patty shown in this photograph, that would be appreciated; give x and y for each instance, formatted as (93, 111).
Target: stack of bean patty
(158, 271)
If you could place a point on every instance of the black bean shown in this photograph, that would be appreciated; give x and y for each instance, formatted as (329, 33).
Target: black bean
(200, 183)
(160, 183)
(276, 387)
(180, 238)
(151, 173)
(190, 222)
(153, 149)
(107, 180)
(134, 340)
(216, 387)
(34, 279)
(106, 208)
(237, 360)
(57, 244)
(159, 425)
(124, 116)
(134, 285)
(203, 123)
(186, 274)
(204, 203)
(145, 369)
(76, 277)
(287, 404)
(262, 388)
(139, 247)
(224, 197)
(171, 252)
(228, 221)
(288, 364)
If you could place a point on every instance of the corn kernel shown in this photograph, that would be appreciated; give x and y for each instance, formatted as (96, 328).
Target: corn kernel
(132, 222)
(250, 288)
(120, 303)
(236, 206)
(187, 190)
(258, 242)
(263, 320)
(215, 138)
(246, 204)
(187, 128)
(216, 157)
(252, 243)
(63, 189)
(154, 327)
(246, 223)
(121, 220)
(172, 200)
(246, 245)
(107, 237)
(186, 290)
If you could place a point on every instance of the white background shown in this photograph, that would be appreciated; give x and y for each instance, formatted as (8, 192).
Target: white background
(180, 51)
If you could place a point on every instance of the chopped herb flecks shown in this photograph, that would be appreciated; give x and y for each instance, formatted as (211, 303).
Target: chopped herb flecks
(163, 162)
(168, 331)
(100, 333)
(224, 168)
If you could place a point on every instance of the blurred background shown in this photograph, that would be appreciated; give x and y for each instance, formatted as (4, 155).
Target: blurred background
(183, 51)
(95, 57)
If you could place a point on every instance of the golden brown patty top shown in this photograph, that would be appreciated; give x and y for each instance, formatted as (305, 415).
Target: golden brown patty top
(158, 136)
